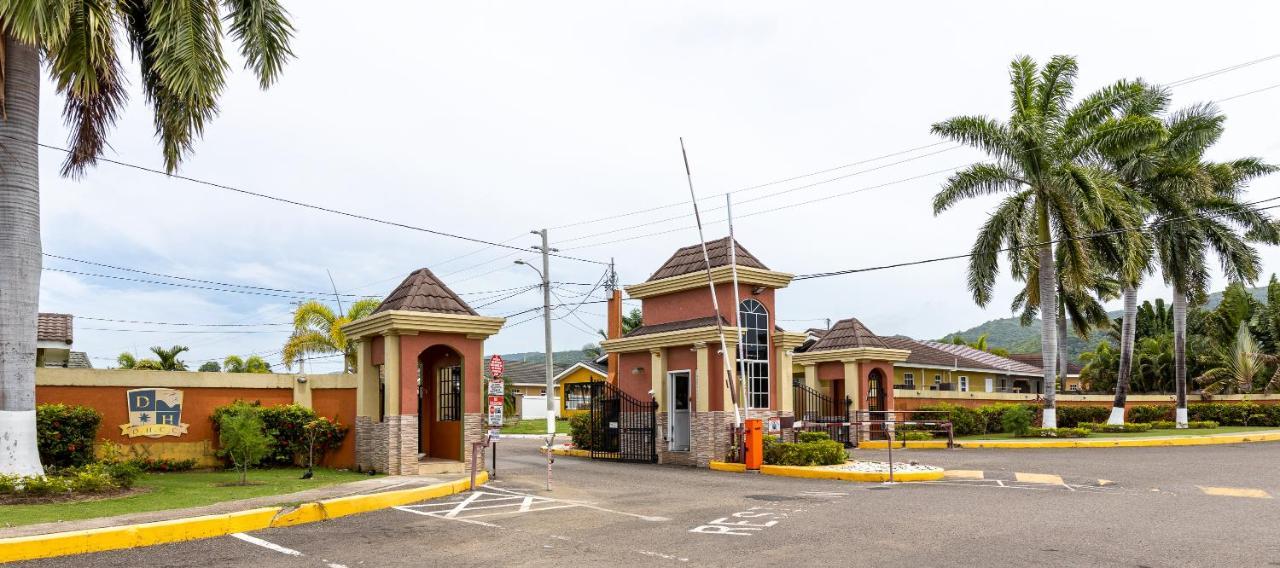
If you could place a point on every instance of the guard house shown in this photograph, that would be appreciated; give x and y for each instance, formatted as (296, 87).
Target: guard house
(675, 356)
(851, 361)
(419, 390)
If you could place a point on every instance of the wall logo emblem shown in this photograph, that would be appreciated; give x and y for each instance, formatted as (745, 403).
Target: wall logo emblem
(154, 413)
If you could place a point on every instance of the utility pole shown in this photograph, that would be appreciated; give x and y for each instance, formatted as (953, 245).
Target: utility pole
(545, 274)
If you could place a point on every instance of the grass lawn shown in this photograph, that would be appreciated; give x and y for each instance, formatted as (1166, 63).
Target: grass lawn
(175, 491)
(1147, 434)
(532, 426)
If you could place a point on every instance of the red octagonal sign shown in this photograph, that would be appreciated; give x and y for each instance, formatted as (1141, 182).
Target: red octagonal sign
(496, 366)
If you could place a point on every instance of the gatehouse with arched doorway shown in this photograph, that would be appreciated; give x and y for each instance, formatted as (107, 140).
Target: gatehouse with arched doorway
(419, 389)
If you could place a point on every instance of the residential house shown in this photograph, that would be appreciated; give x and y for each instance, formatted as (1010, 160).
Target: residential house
(1073, 383)
(54, 339)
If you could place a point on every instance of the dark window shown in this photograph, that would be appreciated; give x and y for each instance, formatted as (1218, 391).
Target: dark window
(577, 396)
(753, 352)
(450, 394)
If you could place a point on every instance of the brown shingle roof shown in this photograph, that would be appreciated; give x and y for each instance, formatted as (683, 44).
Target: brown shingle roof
(54, 327)
(421, 291)
(848, 334)
(689, 259)
(988, 359)
(1035, 360)
(526, 372)
(675, 326)
(922, 354)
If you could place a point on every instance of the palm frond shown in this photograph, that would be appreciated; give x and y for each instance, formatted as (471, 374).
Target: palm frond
(262, 27)
(189, 65)
(974, 181)
(86, 71)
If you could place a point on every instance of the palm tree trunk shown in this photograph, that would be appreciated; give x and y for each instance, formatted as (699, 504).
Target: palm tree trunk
(1062, 344)
(1048, 322)
(19, 259)
(1180, 355)
(1128, 329)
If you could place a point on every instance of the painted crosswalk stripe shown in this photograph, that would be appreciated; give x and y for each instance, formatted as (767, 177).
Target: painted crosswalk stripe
(1046, 478)
(963, 474)
(266, 545)
(1235, 492)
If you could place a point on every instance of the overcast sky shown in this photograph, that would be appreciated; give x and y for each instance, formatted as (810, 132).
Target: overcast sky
(491, 119)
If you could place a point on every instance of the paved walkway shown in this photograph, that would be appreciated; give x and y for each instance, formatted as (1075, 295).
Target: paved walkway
(364, 486)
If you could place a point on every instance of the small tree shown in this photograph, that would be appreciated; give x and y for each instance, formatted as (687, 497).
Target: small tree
(243, 439)
(1016, 420)
(210, 367)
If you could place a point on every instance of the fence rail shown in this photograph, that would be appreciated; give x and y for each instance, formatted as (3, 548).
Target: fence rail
(819, 412)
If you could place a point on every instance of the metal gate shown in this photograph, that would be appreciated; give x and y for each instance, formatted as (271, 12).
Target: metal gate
(622, 427)
(875, 405)
(816, 409)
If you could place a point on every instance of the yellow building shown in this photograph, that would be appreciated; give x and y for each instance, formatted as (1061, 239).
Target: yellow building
(574, 389)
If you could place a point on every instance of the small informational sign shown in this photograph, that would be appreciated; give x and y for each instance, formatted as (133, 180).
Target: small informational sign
(154, 413)
(495, 400)
(494, 434)
(496, 366)
(496, 387)
(773, 425)
(495, 416)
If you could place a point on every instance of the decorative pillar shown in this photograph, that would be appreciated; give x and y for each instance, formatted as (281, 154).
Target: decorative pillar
(702, 388)
(786, 392)
(366, 381)
(811, 375)
(302, 391)
(658, 375)
(853, 383)
(391, 372)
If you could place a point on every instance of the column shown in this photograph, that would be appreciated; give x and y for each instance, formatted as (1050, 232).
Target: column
(811, 375)
(703, 382)
(391, 372)
(366, 381)
(853, 383)
(658, 375)
(786, 391)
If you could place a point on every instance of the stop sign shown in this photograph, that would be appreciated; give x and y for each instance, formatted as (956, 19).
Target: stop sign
(496, 366)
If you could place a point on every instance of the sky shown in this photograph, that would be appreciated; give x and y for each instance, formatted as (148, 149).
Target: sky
(491, 119)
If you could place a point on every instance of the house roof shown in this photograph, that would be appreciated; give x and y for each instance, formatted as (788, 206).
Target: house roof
(528, 372)
(54, 327)
(1035, 360)
(675, 326)
(589, 365)
(78, 360)
(421, 291)
(689, 259)
(988, 359)
(848, 334)
(922, 354)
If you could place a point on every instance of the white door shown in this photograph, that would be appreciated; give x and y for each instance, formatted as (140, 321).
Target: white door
(990, 384)
(678, 411)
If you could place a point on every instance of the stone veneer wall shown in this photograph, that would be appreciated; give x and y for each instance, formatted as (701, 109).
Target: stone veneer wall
(472, 432)
(391, 446)
(709, 436)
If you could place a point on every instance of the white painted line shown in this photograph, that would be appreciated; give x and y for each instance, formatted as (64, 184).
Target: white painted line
(266, 545)
(524, 505)
(462, 505)
(416, 512)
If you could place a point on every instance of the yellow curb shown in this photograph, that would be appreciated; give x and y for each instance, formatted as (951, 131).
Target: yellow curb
(728, 466)
(574, 452)
(1170, 441)
(1046, 478)
(820, 472)
(178, 530)
(1235, 492)
(964, 474)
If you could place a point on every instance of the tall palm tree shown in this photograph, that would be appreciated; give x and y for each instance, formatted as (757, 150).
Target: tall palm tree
(1038, 158)
(317, 330)
(178, 46)
(168, 358)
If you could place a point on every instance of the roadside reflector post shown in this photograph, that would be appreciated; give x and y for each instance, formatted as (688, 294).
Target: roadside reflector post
(754, 435)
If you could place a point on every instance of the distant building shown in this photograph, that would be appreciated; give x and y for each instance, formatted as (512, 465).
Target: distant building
(54, 339)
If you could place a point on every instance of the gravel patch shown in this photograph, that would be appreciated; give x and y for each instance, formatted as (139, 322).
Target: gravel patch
(883, 467)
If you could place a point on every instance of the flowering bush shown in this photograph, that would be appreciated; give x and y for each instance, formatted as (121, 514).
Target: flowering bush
(65, 434)
(292, 426)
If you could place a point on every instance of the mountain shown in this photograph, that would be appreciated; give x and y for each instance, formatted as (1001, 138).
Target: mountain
(1009, 334)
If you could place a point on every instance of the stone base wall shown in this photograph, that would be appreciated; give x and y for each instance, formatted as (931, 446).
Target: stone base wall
(710, 437)
(472, 432)
(391, 446)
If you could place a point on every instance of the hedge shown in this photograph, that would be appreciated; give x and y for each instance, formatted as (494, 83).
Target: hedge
(65, 434)
(1116, 428)
(1148, 413)
(814, 448)
(1056, 433)
(1074, 416)
(287, 424)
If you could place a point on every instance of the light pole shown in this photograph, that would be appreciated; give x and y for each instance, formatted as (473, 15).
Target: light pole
(545, 276)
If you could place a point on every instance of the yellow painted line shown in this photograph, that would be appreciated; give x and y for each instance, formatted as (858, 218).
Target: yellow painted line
(574, 452)
(1047, 478)
(963, 474)
(1104, 482)
(911, 445)
(1235, 492)
(726, 466)
(192, 528)
(821, 472)
(1215, 439)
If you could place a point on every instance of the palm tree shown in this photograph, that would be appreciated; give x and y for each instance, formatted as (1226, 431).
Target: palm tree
(1038, 158)
(168, 358)
(250, 364)
(317, 330)
(1238, 366)
(1154, 356)
(126, 360)
(178, 46)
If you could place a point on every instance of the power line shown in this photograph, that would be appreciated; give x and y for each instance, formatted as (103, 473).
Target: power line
(179, 323)
(175, 284)
(229, 332)
(189, 279)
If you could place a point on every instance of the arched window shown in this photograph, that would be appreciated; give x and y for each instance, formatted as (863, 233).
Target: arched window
(753, 352)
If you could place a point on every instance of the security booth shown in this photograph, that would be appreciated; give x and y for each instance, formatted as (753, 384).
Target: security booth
(848, 375)
(419, 389)
(676, 358)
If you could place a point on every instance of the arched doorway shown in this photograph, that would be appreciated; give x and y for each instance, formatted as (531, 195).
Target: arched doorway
(876, 402)
(440, 410)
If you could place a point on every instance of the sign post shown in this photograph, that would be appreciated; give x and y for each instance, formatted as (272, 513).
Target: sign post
(496, 398)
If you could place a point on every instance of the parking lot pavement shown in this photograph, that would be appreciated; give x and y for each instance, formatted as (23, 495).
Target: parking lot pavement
(614, 514)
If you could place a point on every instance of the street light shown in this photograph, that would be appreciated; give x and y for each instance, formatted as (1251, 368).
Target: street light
(545, 276)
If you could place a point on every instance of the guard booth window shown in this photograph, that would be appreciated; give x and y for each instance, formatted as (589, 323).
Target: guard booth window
(753, 352)
(450, 394)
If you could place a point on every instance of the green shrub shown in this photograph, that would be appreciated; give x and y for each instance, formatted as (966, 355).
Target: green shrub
(1116, 428)
(65, 434)
(162, 465)
(964, 421)
(290, 427)
(43, 485)
(1235, 413)
(1163, 425)
(1149, 413)
(914, 436)
(1015, 419)
(1056, 433)
(9, 484)
(1073, 416)
(817, 452)
(1201, 424)
(243, 438)
(92, 478)
(818, 436)
(580, 430)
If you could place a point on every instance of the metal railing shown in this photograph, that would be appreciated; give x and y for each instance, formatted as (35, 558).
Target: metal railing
(887, 424)
(819, 412)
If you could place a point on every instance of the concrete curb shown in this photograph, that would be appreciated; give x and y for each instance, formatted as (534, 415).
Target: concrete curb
(178, 530)
(820, 472)
(573, 452)
(1169, 441)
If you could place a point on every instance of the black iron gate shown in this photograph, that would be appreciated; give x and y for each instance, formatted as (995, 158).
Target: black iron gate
(875, 406)
(622, 427)
(821, 412)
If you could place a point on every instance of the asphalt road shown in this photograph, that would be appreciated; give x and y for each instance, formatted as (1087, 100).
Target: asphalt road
(1192, 506)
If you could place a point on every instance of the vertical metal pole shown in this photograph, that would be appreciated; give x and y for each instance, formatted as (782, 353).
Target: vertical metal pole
(890, 438)
(495, 460)
(546, 327)
(743, 375)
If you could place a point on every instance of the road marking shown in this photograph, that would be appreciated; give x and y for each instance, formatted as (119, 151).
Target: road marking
(1046, 478)
(266, 545)
(492, 501)
(1104, 482)
(963, 474)
(743, 523)
(1235, 492)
